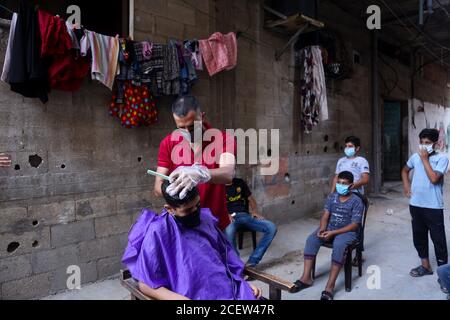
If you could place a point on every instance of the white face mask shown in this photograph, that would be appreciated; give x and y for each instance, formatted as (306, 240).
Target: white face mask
(428, 147)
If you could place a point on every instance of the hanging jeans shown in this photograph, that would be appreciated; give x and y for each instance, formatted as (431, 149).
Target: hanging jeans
(246, 221)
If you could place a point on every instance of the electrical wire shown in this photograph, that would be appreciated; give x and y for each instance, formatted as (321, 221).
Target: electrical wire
(407, 28)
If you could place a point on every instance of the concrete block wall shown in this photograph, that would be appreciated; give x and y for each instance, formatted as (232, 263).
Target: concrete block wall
(78, 178)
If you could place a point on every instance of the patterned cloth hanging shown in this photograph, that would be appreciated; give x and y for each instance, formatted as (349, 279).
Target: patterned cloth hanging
(138, 109)
(314, 106)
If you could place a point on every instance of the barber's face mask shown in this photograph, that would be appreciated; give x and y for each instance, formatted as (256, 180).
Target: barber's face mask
(350, 152)
(191, 220)
(195, 131)
(428, 147)
(342, 189)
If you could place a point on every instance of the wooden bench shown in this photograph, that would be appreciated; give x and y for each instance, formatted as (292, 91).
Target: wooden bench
(276, 285)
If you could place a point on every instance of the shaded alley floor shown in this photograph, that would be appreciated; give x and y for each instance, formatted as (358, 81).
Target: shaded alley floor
(388, 246)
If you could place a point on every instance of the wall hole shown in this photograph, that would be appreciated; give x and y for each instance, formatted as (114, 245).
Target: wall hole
(35, 223)
(35, 243)
(63, 166)
(139, 159)
(12, 247)
(287, 177)
(17, 167)
(35, 161)
(307, 152)
(325, 138)
(269, 152)
(325, 149)
(293, 202)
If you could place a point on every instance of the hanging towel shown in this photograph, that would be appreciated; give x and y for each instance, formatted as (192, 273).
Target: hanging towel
(105, 55)
(7, 63)
(219, 52)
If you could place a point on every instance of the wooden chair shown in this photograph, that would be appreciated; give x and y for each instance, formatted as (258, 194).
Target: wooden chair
(276, 285)
(357, 245)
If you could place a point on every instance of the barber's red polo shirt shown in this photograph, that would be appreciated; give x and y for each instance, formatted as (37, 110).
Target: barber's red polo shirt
(212, 196)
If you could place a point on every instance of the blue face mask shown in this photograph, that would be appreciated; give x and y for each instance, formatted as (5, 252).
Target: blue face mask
(342, 189)
(350, 152)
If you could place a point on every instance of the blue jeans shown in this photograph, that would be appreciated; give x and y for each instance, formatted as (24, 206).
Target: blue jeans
(246, 221)
(444, 275)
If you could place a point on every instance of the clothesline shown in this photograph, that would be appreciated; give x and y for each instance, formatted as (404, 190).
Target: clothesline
(7, 9)
(135, 71)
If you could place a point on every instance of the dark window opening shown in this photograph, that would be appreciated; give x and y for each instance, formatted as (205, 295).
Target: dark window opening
(105, 17)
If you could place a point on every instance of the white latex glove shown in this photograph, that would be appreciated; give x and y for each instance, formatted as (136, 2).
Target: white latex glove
(183, 179)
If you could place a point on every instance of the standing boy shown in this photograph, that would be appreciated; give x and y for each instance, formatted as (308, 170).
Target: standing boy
(426, 203)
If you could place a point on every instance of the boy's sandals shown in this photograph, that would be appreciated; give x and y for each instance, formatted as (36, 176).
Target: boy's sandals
(420, 271)
(299, 286)
(327, 296)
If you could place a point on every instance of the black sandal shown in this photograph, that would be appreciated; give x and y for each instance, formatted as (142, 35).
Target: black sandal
(299, 286)
(420, 271)
(327, 296)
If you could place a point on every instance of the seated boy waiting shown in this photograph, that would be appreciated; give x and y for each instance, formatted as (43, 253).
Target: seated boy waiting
(340, 223)
(182, 254)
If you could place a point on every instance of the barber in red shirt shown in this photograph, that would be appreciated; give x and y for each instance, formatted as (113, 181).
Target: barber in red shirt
(200, 167)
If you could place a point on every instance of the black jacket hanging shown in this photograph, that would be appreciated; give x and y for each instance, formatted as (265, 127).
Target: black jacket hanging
(28, 75)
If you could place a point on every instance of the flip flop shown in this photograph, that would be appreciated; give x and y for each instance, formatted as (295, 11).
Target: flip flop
(420, 271)
(299, 286)
(327, 296)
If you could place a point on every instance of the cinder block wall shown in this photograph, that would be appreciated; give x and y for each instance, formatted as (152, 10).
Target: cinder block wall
(75, 205)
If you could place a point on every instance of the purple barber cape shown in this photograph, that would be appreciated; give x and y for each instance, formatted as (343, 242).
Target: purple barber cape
(198, 263)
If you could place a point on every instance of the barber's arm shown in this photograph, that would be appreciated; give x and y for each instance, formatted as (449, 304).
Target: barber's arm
(225, 173)
(158, 181)
(183, 179)
(161, 293)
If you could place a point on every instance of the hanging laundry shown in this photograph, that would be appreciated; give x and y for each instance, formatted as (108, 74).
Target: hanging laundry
(73, 36)
(7, 63)
(171, 72)
(105, 54)
(314, 106)
(152, 70)
(193, 48)
(219, 52)
(139, 108)
(27, 74)
(188, 76)
(127, 58)
(143, 50)
(66, 68)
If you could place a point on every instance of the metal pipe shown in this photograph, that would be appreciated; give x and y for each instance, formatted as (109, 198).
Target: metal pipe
(376, 125)
(421, 12)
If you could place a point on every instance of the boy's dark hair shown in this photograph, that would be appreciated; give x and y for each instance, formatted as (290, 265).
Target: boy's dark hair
(175, 201)
(355, 140)
(432, 134)
(184, 104)
(346, 175)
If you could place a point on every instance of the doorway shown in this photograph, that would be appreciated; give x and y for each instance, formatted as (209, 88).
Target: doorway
(394, 139)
